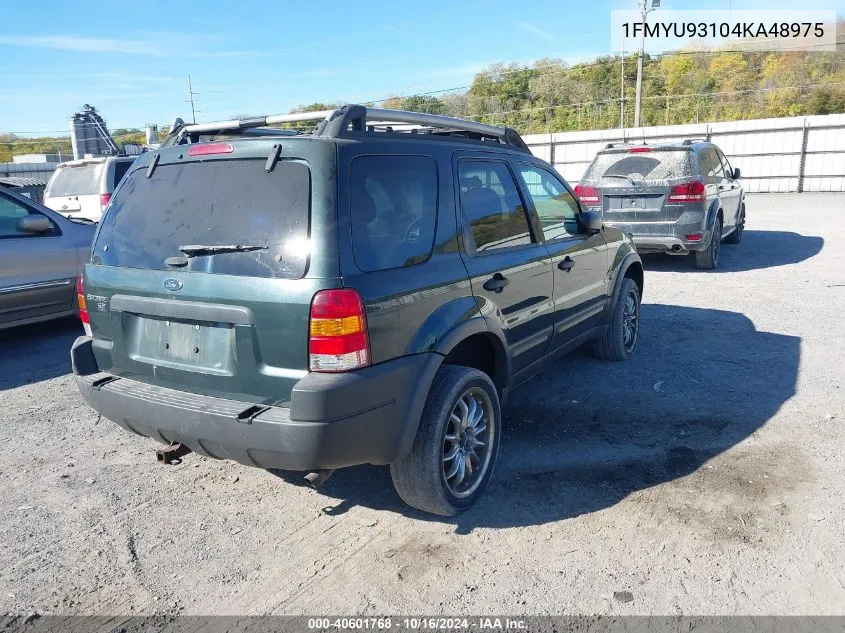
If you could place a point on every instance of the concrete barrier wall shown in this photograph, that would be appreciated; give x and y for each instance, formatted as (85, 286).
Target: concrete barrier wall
(774, 155)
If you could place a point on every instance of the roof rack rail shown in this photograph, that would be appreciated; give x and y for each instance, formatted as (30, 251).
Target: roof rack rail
(619, 143)
(690, 141)
(348, 120)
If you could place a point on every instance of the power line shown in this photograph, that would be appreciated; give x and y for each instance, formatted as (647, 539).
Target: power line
(559, 106)
(607, 60)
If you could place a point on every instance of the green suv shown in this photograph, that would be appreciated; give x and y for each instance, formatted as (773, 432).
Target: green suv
(367, 292)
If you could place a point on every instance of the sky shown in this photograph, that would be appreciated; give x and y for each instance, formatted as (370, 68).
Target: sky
(131, 60)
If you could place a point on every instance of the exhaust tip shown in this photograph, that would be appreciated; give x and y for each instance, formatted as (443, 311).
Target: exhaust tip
(318, 478)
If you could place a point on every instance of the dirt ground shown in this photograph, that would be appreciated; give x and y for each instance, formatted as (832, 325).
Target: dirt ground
(703, 477)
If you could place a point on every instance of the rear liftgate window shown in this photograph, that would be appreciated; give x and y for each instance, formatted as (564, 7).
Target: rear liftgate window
(213, 203)
(80, 180)
(653, 165)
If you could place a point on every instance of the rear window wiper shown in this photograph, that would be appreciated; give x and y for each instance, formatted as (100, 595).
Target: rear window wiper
(619, 176)
(194, 250)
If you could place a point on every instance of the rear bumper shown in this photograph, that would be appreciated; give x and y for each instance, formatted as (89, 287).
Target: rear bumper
(671, 245)
(335, 420)
(668, 237)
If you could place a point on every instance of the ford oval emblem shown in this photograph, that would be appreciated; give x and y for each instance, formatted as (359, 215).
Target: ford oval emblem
(173, 284)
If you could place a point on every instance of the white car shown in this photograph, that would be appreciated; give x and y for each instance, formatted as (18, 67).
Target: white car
(82, 188)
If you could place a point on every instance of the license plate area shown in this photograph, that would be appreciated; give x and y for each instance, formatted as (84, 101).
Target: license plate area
(191, 345)
(627, 204)
(633, 203)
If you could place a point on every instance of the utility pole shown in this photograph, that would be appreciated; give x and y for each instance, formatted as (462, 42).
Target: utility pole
(622, 93)
(191, 95)
(644, 11)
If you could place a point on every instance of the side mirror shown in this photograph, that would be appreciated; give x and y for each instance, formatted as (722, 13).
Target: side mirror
(736, 173)
(591, 221)
(35, 224)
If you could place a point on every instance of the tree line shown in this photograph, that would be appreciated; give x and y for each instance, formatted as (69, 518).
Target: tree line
(550, 95)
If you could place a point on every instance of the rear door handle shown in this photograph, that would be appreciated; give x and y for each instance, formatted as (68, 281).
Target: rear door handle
(496, 283)
(566, 264)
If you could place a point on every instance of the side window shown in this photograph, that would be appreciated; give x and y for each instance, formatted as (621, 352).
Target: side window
(393, 206)
(711, 166)
(11, 212)
(120, 169)
(556, 207)
(491, 205)
(726, 166)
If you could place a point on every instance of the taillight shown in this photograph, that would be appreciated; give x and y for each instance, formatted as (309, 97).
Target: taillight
(588, 195)
(104, 200)
(639, 150)
(83, 306)
(692, 191)
(338, 338)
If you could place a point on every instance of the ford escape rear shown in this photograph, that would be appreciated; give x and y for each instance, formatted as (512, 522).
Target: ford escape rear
(356, 295)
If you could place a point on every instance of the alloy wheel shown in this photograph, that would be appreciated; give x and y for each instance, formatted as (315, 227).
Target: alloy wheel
(630, 321)
(468, 442)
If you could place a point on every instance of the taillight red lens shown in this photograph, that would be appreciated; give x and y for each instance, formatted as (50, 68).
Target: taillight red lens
(104, 200)
(338, 338)
(210, 148)
(692, 191)
(588, 195)
(83, 306)
(639, 150)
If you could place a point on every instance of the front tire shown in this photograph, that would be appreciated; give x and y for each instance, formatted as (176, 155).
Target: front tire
(620, 340)
(456, 445)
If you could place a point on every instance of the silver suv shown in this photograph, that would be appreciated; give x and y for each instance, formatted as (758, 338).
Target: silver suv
(671, 198)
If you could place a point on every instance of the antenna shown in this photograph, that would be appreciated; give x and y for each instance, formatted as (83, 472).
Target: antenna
(191, 95)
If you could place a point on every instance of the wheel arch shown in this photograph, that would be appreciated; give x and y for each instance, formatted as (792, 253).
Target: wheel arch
(631, 267)
(713, 212)
(460, 332)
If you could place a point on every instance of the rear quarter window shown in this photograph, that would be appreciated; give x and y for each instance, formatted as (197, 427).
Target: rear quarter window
(211, 203)
(120, 169)
(393, 208)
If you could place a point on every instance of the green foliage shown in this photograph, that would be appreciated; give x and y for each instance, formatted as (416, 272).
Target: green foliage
(423, 103)
(549, 95)
(684, 87)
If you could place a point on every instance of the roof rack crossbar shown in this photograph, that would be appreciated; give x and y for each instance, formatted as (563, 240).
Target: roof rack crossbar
(336, 123)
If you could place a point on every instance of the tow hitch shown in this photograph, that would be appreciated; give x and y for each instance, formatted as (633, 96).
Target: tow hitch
(173, 454)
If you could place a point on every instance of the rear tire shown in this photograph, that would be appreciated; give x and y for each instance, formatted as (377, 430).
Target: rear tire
(451, 425)
(708, 259)
(622, 336)
(736, 236)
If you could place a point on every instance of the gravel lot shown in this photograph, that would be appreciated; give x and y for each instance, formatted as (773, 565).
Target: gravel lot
(703, 477)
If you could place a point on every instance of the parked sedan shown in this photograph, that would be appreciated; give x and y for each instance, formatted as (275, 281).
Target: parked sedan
(41, 257)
